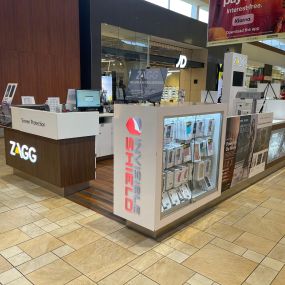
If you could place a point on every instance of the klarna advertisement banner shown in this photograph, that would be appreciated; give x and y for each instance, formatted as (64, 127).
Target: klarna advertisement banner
(234, 21)
(246, 147)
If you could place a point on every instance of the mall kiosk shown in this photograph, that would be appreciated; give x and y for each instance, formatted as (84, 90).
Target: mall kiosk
(167, 163)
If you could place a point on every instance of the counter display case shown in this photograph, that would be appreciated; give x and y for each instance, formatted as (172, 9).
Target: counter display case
(167, 161)
(191, 151)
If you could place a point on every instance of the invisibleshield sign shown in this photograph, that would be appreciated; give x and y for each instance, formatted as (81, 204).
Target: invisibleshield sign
(234, 21)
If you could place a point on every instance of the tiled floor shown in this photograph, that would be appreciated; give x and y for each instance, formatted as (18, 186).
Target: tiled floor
(46, 239)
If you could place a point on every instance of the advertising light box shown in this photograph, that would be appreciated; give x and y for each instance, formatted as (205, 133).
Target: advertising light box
(234, 21)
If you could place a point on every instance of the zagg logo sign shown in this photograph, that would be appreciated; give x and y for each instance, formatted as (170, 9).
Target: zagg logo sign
(133, 154)
(24, 152)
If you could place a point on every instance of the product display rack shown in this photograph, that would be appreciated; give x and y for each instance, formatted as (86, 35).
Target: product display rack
(190, 159)
(185, 139)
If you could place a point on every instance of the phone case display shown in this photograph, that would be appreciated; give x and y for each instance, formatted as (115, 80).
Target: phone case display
(191, 154)
(170, 164)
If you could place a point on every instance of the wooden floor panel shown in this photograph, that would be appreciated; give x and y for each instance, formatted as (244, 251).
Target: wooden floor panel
(99, 197)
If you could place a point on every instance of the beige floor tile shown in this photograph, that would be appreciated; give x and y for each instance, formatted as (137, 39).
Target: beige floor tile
(276, 216)
(194, 237)
(274, 204)
(255, 243)
(11, 251)
(278, 253)
(56, 273)
(17, 218)
(204, 222)
(55, 202)
(65, 230)
(18, 202)
(9, 276)
(58, 214)
(279, 280)
(19, 259)
(262, 275)
(143, 246)
(102, 225)
(272, 263)
(37, 263)
(75, 207)
(163, 249)
(4, 209)
(51, 227)
(42, 222)
(229, 246)
(168, 272)
(120, 276)
(254, 256)
(63, 250)
(126, 237)
(220, 265)
(141, 280)
(88, 213)
(32, 230)
(82, 280)
(226, 232)
(80, 238)
(146, 260)
(4, 265)
(40, 245)
(99, 259)
(20, 281)
(282, 241)
(236, 215)
(177, 256)
(260, 212)
(181, 246)
(261, 227)
(198, 279)
(12, 238)
(70, 220)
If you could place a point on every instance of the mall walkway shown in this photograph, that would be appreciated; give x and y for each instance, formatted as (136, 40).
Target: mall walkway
(46, 239)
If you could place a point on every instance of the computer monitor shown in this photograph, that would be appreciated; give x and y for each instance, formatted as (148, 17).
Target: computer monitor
(88, 99)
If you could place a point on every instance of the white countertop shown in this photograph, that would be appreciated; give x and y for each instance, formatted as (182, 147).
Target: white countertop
(55, 126)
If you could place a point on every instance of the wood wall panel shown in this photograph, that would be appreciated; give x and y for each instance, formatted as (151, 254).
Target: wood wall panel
(39, 47)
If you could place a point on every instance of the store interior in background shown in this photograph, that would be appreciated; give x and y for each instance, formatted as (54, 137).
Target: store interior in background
(124, 50)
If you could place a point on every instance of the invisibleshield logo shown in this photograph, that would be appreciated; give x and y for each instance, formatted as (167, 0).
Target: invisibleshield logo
(132, 173)
(23, 151)
(134, 126)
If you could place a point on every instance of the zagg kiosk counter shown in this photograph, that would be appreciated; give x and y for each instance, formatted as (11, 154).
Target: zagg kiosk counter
(167, 163)
(55, 148)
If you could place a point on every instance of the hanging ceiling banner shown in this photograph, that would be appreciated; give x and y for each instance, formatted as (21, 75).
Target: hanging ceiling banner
(236, 21)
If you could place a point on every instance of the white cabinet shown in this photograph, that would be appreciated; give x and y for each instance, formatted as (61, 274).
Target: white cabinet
(104, 141)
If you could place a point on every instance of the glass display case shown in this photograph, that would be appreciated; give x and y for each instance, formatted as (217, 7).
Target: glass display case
(190, 160)
(167, 161)
(276, 145)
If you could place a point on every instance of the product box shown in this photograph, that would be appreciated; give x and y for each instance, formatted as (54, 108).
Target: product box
(173, 195)
(196, 151)
(190, 171)
(210, 147)
(209, 127)
(199, 171)
(184, 173)
(199, 128)
(170, 157)
(203, 147)
(165, 201)
(178, 178)
(169, 132)
(164, 159)
(187, 154)
(169, 179)
(185, 191)
(208, 167)
(163, 181)
(178, 155)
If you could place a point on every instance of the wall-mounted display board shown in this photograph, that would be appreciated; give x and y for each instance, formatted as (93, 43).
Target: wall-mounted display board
(235, 21)
(246, 147)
